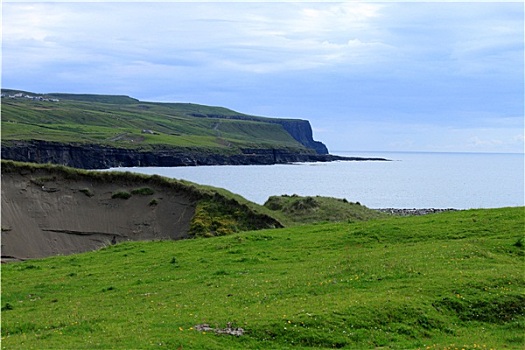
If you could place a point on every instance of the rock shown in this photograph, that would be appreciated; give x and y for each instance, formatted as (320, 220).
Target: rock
(89, 156)
(237, 331)
(414, 211)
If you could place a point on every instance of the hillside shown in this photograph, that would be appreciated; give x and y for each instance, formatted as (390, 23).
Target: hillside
(119, 121)
(122, 131)
(55, 210)
(442, 281)
(52, 210)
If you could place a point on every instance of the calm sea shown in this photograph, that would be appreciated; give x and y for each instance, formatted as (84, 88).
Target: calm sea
(410, 180)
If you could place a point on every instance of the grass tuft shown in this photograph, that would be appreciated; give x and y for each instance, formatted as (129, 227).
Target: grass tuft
(7, 307)
(121, 195)
(143, 191)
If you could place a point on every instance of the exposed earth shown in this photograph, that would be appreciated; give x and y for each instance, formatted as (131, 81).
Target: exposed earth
(42, 218)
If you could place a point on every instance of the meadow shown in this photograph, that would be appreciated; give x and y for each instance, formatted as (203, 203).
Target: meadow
(124, 122)
(452, 280)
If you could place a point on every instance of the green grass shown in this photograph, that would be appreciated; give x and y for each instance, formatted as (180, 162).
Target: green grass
(118, 121)
(143, 191)
(443, 281)
(296, 210)
(121, 195)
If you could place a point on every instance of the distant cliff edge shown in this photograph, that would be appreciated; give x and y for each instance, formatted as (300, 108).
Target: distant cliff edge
(299, 129)
(102, 131)
(88, 156)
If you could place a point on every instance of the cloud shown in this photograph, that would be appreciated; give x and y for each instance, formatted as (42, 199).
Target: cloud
(447, 66)
(235, 37)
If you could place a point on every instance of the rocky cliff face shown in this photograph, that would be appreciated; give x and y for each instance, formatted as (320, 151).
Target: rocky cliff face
(302, 132)
(86, 156)
(299, 129)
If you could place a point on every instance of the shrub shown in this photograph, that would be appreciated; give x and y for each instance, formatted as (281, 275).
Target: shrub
(274, 203)
(121, 195)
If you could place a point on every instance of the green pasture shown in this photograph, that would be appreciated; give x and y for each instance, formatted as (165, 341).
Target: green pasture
(453, 280)
(120, 121)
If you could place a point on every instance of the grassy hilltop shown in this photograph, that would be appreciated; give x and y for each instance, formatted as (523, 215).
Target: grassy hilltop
(124, 122)
(443, 281)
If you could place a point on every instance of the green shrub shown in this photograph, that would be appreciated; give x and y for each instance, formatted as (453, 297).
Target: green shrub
(121, 195)
(274, 203)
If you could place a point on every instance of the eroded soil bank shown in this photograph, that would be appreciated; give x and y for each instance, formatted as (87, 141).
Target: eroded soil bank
(45, 214)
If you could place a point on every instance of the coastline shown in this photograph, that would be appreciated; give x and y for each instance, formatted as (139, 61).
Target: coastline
(91, 156)
(414, 211)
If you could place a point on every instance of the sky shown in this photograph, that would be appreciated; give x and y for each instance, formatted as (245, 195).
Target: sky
(369, 76)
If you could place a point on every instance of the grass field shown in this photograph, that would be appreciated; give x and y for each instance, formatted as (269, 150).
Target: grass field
(444, 281)
(119, 121)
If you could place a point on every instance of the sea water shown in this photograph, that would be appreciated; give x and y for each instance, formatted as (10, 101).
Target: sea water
(409, 180)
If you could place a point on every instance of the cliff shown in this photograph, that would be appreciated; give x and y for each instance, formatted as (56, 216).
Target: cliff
(301, 130)
(90, 156)
(102, 131)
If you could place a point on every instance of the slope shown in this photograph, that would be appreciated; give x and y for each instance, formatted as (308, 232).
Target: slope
(442, 281)
(52, 210)
(121, 121)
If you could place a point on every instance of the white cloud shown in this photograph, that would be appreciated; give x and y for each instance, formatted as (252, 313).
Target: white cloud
(415, 70)
(245, 37)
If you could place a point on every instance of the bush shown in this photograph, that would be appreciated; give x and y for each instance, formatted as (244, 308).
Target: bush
(274, 203)
(121, 195)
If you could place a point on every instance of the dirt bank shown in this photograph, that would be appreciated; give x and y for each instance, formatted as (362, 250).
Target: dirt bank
(47, 214)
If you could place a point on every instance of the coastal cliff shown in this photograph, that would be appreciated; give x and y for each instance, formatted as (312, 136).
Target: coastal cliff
(301, 130)
(103, 131)
(91, 156)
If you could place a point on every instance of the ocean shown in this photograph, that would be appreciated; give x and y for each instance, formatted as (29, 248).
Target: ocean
(409, 180)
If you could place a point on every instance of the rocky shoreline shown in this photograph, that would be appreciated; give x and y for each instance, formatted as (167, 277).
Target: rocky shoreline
(414, 211)
(89, 156)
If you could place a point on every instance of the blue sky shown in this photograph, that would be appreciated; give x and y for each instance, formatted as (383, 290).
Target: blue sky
(370, 76)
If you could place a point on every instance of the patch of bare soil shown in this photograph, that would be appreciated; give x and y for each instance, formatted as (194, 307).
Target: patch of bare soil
(44, 216)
